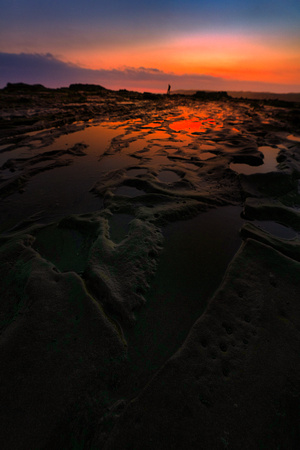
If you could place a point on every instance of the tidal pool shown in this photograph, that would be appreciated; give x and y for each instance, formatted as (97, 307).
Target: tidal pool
(119, 227)
(276, 229)
(53, 194)
(167, 176)
(129, 191)
(115, 162)
(206, 155)
(206, 147)
(156, 160)
(198, 121)
(291, 137)
(136, 172)
(188, 125)
(269, 165)
(20, 152)
(192, 264)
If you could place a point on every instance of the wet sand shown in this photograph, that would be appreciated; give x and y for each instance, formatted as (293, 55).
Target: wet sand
(150, 267)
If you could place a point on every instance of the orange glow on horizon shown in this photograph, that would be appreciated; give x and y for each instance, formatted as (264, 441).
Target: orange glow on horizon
(226, 56)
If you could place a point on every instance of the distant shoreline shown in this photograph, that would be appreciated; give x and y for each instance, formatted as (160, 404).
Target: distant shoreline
(289, 97)
(23, 88)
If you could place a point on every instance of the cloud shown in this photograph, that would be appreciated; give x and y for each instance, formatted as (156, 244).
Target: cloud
(46, 69)
(39, 68)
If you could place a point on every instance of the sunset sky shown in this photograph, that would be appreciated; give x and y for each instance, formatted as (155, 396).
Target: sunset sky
(234, 45)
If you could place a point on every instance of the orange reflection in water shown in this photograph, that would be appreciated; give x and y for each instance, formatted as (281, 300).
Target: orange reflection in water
(188, 125)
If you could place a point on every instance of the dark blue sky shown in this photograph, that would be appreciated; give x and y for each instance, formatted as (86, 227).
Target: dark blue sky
(185, 14)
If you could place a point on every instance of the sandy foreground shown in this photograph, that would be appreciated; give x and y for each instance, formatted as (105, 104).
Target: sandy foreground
(150, 271)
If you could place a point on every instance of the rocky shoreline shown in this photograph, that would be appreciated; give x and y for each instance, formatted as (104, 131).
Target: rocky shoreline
(90, 181)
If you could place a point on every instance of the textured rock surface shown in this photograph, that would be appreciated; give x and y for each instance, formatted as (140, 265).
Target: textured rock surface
(59, 353)
(107, 339)
(235, 381)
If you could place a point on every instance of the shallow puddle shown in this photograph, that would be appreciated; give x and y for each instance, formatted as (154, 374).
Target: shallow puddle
(119, 226)
(20, 152)
(157, 160)
(115, 162)
(207, 147)
(191, 267)
(64, 190)
(97, 137)
(52, 195)
(167, 176)
(191, 166)
(291, 137)
(158, 135)
(188, 125)
(276, 229)
(269, 165)
(136, 146)
(129, 191)
(136, 172)
(206, 155)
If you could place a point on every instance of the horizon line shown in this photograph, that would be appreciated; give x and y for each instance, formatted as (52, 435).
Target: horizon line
(185, 91)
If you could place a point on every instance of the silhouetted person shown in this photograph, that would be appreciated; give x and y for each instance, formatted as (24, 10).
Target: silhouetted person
(169, 89)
